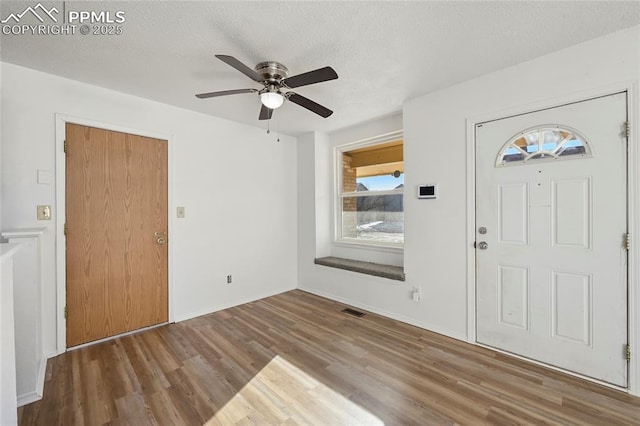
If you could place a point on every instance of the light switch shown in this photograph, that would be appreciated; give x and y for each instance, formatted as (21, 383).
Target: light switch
(44, 212)
(180, 212)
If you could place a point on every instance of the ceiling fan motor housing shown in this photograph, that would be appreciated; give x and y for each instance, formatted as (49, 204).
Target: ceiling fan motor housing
(271, 72)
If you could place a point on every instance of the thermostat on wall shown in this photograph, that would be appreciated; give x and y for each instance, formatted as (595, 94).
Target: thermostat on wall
(428, 191)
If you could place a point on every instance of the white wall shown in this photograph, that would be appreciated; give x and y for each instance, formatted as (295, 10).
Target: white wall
(435, 143)
(1, 227)
(237, 183)
(27, 308)
(313, 234)
(316, 160)
(8, 401)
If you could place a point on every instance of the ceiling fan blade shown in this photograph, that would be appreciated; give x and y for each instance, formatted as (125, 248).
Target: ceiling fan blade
(265, 113)
(311, 77)
(224, 93)
(309, 104)
(230, 60)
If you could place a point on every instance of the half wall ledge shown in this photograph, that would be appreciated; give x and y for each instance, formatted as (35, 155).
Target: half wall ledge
(376, 269)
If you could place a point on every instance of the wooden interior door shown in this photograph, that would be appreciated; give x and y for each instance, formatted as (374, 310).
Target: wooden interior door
(116, 233)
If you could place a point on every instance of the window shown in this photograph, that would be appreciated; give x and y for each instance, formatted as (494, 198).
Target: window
(543, 143)
(370, 192)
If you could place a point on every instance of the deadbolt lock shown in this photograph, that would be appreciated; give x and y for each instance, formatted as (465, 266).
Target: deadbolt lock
(482, 230)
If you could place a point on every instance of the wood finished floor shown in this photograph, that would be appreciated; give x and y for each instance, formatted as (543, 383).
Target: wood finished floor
(296, 359)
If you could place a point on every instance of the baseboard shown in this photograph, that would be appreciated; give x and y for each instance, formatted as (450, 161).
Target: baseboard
(190, 315)
(36, 395)
(42, 372)
(28, 398)
(392, 315)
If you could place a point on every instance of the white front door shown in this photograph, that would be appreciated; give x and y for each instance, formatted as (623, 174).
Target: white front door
(551, 203)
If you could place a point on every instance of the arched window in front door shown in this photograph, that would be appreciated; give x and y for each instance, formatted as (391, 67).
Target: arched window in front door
(543, 143)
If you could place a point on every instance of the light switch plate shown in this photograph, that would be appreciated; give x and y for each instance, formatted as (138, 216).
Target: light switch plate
(180, 212)
(44, 212)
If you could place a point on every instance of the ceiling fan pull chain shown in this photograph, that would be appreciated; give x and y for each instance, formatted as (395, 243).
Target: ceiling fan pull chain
(268, 127)
(278, 140)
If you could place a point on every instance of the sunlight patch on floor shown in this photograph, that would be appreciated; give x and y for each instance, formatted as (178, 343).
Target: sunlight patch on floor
(283, 393)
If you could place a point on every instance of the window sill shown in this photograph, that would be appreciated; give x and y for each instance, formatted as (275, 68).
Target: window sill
(369, 246)
(369, 268)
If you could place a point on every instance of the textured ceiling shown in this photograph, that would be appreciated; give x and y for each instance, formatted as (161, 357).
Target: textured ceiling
(384, 52)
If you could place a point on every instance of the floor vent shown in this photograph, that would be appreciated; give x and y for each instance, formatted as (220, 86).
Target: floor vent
(353, 312)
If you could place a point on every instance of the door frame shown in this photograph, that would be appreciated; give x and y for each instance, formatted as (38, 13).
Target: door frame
(633, 214)
(61, 259)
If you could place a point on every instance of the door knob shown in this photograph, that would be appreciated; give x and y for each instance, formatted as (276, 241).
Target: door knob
(482, 245)
(161, 237)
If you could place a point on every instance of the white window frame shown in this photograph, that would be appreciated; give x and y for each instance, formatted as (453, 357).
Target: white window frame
(339, 195)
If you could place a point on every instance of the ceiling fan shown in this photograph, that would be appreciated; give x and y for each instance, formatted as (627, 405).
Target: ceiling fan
(274, 77)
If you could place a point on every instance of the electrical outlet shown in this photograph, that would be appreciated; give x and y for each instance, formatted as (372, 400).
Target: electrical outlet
(180, 212)
(229, 279)
(416, 294)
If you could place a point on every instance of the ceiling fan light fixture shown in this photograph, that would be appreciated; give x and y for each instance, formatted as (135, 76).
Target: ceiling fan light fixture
(272, 100)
